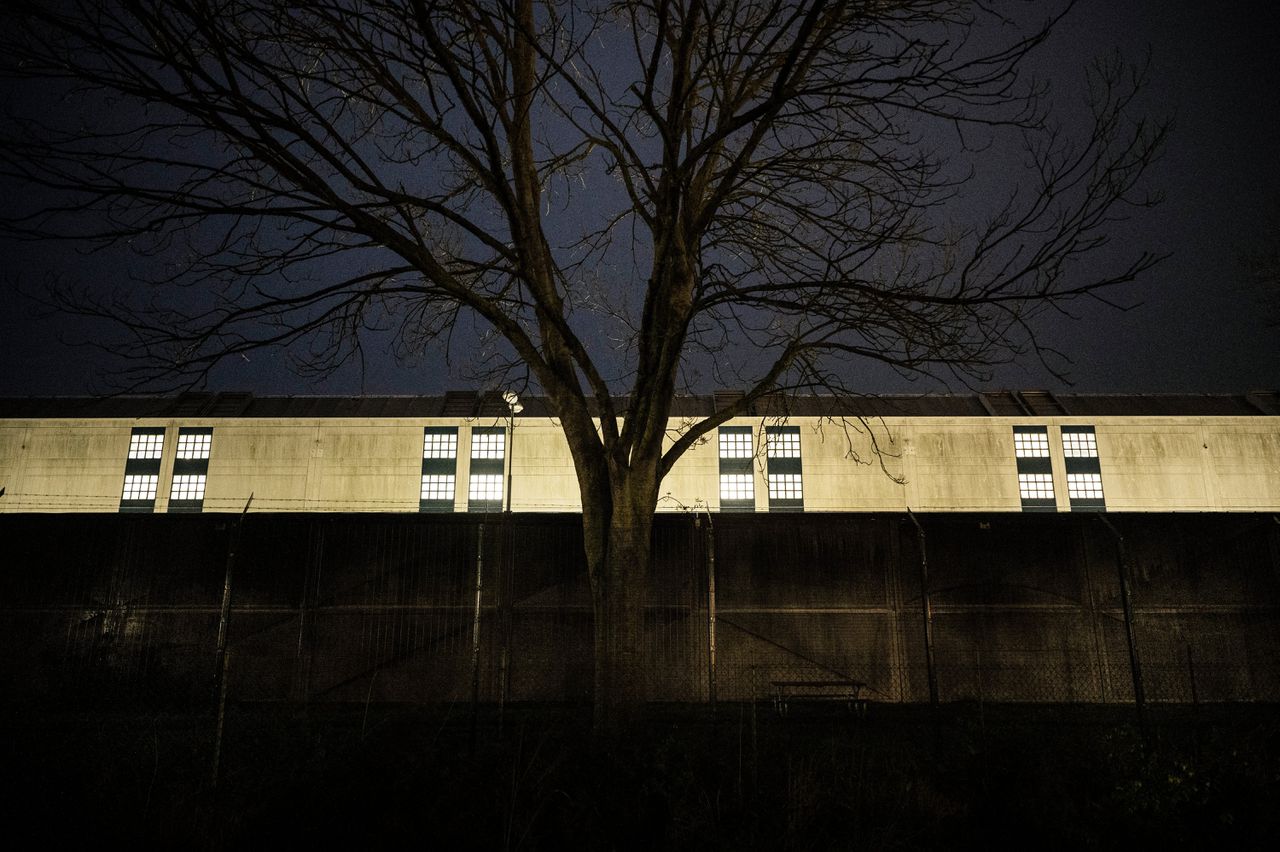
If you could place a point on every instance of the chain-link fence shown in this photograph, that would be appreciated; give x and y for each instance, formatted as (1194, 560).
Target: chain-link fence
(494, 609)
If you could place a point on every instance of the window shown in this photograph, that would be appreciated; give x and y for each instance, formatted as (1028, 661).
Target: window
(782, 442)
(142, 470)
(188, 487)
(438, 488)
(146, 444)
(439, 468)
(735, 443)
(440, 443)
(1028, 444)
(737, 487)
(487, 443)
(486, 488)
(140, 487)
(1084, 475)
(784, 486)
(1079, 445)
(193, 444)
(1084, 486)
(488, 466)
(1035, 468)
(190, 469)
(737, 482)
(782, 452)
(1035, 486)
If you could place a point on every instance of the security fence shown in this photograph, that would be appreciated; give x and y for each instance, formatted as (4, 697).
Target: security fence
(495, 609)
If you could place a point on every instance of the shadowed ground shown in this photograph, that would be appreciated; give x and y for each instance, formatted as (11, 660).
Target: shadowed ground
(896, 778)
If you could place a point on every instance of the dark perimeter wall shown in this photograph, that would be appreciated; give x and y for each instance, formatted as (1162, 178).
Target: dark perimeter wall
(327, 608)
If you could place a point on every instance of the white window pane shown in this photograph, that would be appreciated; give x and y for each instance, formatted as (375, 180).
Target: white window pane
(140, 487)
(783, 445)
(194, 445)
(737, 486)
(1080, 445)
(146, 446)
(188, 487)
(1031, 445)
(438, 486)
(785, 486)
(488, 445)
(735, 445)
(437, 445)
(485, 486)
(1084, 486)
(1035, 486)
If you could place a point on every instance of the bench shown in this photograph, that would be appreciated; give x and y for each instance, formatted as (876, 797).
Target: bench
(847, 692)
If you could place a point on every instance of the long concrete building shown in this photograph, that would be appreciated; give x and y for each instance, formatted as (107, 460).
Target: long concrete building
(979, 453)
(1018, 546)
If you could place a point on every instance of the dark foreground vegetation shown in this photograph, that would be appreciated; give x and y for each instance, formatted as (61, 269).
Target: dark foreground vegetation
(1033, 776)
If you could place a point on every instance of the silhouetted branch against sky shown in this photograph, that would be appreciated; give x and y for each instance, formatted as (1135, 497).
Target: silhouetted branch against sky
(702, 184)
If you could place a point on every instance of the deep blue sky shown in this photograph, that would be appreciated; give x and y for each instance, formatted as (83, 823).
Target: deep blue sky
(1194, 328)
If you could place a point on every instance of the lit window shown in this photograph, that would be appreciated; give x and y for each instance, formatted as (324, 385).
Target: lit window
(1079, 444)
(1084, 468)
(194, 445)
(735, 443)
(443, 445)
(486, 488)
(782, 443)
(1031, 444)
(783, 471)
(785, 486)
(1084, 486)
(142, 469)
(437, 486)
(439, 468)
(487, 445)
(737, 487)
(140, 486)
(1035, 486)
(146, 445)
(188, 487)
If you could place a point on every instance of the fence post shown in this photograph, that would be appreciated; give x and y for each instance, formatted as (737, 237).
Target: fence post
(475, 635)
(1135, 666)
(711, 614)
(927, 612)
(222, 659)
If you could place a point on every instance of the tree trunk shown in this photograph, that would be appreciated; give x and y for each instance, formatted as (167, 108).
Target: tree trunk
(619, 573)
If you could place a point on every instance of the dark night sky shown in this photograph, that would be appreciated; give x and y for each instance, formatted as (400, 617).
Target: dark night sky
(1195, 328)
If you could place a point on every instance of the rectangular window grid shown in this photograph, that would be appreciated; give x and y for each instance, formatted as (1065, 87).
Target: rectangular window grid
(438, 445)
(737, 487)
(194, 445)
(782, 443)
(1031, 444)
(488, 445)
(1079, 445)
(438, 486)
(190, 469)
(735, 443)
(1035, 486)
(485, 488)
(188, 487)
(1084, 468)
(1084, 486)
(785, 486)
(146, 445)
(140, 486)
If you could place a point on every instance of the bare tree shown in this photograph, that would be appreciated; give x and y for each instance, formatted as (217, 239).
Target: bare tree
(627, 195)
